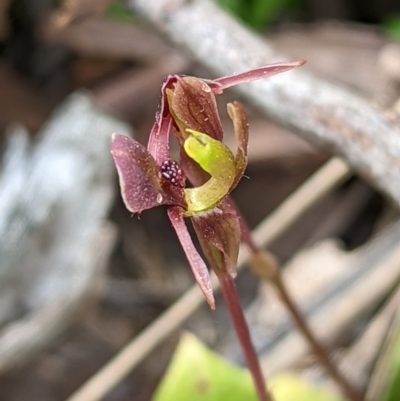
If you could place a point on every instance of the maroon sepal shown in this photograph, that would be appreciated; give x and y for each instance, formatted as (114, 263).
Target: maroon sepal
(219, 235)
(196, 263)
(142, 186)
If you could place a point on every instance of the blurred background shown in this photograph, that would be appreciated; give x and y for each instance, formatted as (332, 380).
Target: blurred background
(79, 276)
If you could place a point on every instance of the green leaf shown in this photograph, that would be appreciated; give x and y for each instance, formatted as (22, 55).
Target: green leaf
(197, 374)
(288, 387)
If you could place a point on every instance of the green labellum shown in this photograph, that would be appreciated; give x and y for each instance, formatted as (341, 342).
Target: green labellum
(216, 159)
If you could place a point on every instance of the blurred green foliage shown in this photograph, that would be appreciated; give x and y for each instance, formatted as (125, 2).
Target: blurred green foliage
(392, 369)
(120, 12)
(391, 27)
(198, 374)
(260, 13)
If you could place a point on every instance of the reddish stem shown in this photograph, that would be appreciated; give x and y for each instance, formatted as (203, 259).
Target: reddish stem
(230, 294)
(320, 351)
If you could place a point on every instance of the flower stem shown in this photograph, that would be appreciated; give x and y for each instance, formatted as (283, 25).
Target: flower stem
(321, 352)
(265, 266)
(229, 292)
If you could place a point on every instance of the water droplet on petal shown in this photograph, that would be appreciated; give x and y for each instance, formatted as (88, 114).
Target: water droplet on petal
(159, 198)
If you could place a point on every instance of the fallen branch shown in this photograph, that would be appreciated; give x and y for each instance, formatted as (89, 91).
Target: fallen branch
(55, 196)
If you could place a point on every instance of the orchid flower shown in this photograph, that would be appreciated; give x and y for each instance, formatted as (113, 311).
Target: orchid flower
(150, 178)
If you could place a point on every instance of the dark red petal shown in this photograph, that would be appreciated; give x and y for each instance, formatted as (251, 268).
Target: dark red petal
(158, 144)
(254, 74)
(194, 104)
(241, 127)
(196, 263)
(139, 176)
(219, 235)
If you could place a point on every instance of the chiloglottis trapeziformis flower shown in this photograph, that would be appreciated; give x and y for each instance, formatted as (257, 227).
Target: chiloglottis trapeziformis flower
(150, 178)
